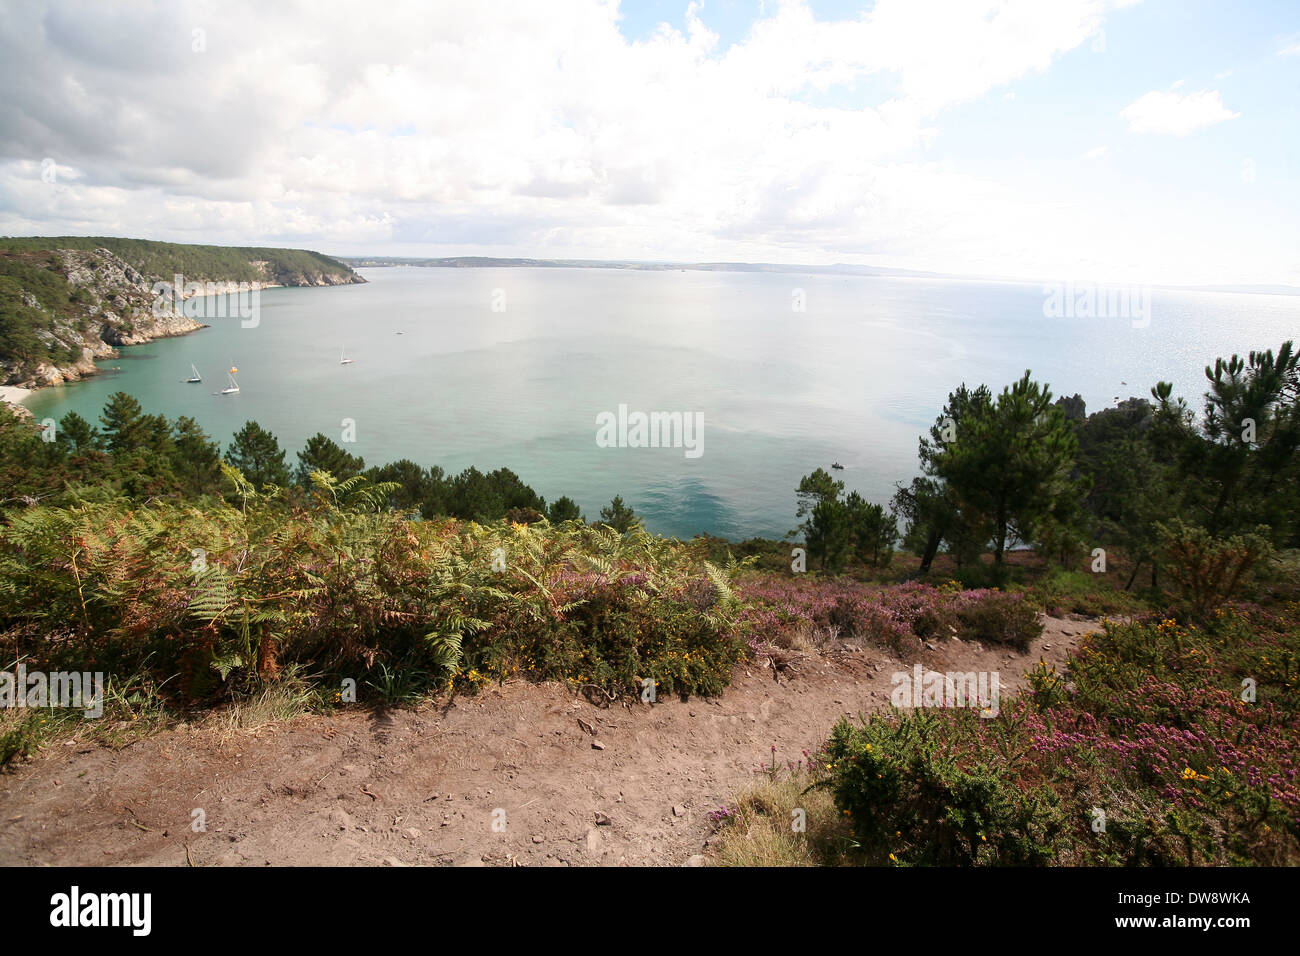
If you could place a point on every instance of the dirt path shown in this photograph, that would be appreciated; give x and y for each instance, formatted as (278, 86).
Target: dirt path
(420, 787)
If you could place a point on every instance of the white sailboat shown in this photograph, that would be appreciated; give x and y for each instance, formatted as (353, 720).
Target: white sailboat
(195, 376)
(232, 386)
(343, 357)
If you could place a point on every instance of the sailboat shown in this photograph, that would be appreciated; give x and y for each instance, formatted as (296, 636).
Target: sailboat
(232, 387)
(343, 358)
(195, 376)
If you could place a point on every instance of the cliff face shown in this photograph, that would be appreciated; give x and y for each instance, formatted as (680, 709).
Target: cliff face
(108, 303)
(114, 307)
(285, 276)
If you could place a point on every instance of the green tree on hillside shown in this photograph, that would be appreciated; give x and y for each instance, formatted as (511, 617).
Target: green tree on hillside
(481, 497)
(1131, 480)
(196, 458)
(76, 434)
(619, 516)
(926, 514)
(563, 509)
(825, 525)
(322, 454)
(1240, 468)
(872, 530)
(835, 528)
(123, 423)
(418, 489)
(1006, 460)
(257, 453)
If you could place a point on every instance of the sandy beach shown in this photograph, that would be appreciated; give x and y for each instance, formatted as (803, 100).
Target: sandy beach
(13, 395)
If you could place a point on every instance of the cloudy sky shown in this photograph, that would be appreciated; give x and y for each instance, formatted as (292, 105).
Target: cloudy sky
(1154, 141)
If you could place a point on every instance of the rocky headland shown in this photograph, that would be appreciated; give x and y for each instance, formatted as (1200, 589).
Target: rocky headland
(66, 308)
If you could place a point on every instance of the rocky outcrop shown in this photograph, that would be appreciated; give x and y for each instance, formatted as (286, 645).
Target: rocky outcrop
(277, 275)
(316, 278)
(114, 304)
(118, 305)
(120, 308)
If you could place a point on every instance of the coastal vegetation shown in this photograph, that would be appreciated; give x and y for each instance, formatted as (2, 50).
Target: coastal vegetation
(195, 262)
(1147, 753)
(196, 577)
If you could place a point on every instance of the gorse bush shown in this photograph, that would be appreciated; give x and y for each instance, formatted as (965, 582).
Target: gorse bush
(224, 596)
(1208, 570)
(915, 795)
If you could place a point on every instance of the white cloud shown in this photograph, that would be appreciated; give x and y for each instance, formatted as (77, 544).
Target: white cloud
(1290, 46)
(1176, 114)
(529, 118)
(497, 127)
(1095, 153)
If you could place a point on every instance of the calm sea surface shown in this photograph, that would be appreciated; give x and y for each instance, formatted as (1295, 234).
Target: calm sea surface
(855, 378)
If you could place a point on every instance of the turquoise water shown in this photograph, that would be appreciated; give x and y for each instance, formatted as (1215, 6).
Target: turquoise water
(856, 378)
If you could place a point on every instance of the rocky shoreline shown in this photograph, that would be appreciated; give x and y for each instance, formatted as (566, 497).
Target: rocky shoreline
(123, 309)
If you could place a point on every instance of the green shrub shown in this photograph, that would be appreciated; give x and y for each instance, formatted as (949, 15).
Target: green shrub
(1000, 617)
(1169, 745)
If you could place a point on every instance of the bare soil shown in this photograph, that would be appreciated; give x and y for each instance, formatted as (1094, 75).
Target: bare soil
(523, 774)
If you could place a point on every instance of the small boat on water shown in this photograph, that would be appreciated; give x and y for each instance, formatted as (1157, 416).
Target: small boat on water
(195, 376)
(837, 466)
(343, 358)
(232, 386)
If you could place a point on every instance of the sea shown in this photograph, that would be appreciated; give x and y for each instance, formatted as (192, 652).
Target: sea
(546, 370)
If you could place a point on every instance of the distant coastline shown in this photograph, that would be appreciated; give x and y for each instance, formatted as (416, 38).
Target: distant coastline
(775, 268)
(491, 262)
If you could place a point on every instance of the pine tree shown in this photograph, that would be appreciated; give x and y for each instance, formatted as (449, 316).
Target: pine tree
(76, 434)
(197, 459)
(564, 509)
(124, 425)
(321, 454)
(619, 516)
(257, 453)
(1005, 460)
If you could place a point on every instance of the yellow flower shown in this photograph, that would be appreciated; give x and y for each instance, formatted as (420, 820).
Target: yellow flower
(894, 858)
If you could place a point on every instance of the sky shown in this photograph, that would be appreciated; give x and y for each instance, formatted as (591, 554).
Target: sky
(1110, 140)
